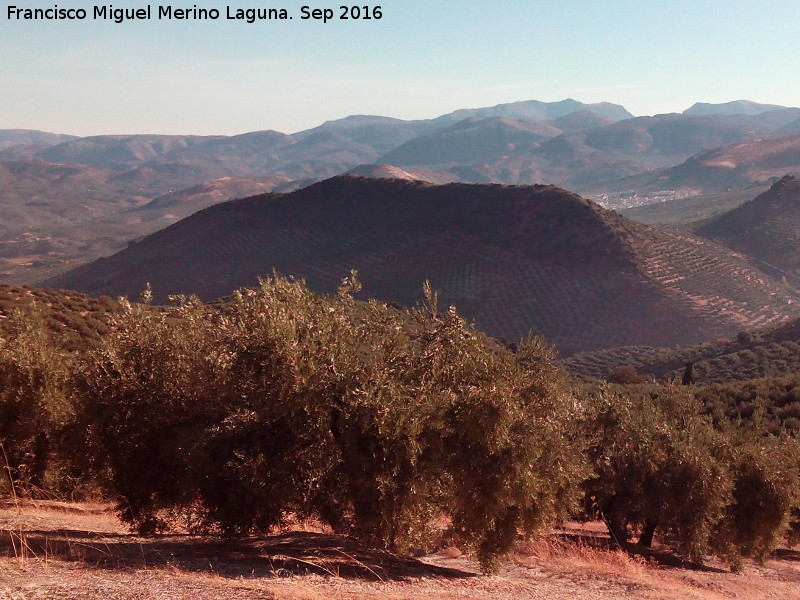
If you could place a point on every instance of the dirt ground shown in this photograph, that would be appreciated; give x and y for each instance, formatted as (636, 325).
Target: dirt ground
(54, 550)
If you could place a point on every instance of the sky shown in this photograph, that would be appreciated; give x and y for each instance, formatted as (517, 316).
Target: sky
(423, 58)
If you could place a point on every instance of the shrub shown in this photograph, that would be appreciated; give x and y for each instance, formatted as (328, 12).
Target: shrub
(145, 396)
(626, 374)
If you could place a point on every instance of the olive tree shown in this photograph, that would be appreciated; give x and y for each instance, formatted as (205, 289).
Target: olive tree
(34, 404)
(656, 467)
(378, 420)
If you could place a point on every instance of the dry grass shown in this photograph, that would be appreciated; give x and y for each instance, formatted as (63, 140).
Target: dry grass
(82, 552)
(590, 553)
(584, 552)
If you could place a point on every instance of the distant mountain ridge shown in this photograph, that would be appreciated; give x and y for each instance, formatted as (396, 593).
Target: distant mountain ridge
(567, 143)
(515, 259)
(119, 152)
(535, 110)
(732, 165)
(607, 154)
(736, 107)
(583, 147)
(30, 137)
(473, 140)
(324, 151)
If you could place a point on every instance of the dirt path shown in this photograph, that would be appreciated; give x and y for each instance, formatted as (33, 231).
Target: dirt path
(81, 552)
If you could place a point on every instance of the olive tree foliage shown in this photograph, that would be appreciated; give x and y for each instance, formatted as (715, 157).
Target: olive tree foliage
(34, 403)
(765, 507)
(656, 468)
(661, 467)
(374, 419)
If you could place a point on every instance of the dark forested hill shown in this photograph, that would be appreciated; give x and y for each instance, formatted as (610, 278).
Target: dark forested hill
(515, 259)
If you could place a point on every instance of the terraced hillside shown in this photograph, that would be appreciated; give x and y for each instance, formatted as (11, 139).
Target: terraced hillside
(515, 259)
(74, 320)
(767, 227)
(770, 352)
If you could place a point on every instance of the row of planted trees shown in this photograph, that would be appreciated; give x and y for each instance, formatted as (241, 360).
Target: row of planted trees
(381, 422)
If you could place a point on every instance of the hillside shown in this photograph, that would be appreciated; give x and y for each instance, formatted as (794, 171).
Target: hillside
(673, 135)
(35, 192)
(767, 227)
(73, 320)
(182, 203)
(66, 201)
(120, 152)
(470, 141)
(770, 352)
(57, 216)
(790, 128)
(29, 137)
(379, 171)
(381, 133)
(582, 120)
(514, 259)
(683, 211)
(718, 169)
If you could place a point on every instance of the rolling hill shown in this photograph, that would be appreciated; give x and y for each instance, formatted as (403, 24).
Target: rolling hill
(594, 149)
(767, 227)
(771, 352)
(54, 217)
(515, 259)
(30, 137)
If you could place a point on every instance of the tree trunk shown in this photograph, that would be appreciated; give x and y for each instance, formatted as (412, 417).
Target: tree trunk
(646, 539)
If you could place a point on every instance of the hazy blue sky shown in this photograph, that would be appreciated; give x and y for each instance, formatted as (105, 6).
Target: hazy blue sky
(422, 59)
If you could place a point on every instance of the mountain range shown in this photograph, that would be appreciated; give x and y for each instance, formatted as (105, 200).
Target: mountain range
(67, 201)
(737, 107)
